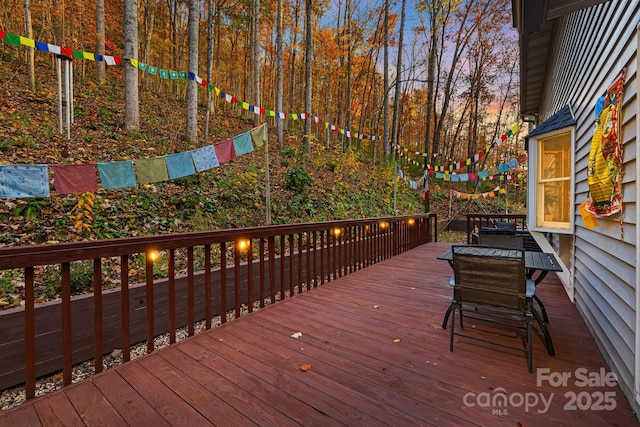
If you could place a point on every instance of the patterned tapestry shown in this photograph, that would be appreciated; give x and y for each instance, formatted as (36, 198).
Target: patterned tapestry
(604, 171)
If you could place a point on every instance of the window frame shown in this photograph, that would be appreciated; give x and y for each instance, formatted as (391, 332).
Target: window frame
(533, 179)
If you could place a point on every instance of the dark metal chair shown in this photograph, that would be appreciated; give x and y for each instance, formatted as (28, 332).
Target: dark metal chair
(490, 285)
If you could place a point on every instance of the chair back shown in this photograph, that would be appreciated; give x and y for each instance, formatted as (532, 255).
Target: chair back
(502, 240)
(506, 225)
(490, 276)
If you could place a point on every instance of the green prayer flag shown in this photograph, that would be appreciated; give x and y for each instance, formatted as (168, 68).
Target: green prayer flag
(142, 66)
(164, 74)
(151, 170)
(183, 75)
(153, 70)
(13, 39)
(78, 54)
(173, 75)
(259, 135)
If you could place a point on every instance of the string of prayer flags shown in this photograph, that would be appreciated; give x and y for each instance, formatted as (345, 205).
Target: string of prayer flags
(205, 158)
(75, 178)
(472, 196)
(225, 151)
(119, 174)
(179, 165)
(166, 75)
(24, 181)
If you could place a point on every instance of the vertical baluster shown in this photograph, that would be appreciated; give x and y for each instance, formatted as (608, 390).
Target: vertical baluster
(149, 294)
(66, 323)
(272, 269)
(29, 334)
(283, 261)
(322, 252)
(223, 282)
(236, 277)
(124, 304)
(315, 258)
(191, 293)
(292, 247)
(300, 259)
(308, 258)
(262, 271)
(171, 267)
(250, 275)
(97, 314)
(207, 286)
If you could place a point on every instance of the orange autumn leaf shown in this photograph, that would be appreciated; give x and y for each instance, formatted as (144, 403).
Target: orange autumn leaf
(305, 367)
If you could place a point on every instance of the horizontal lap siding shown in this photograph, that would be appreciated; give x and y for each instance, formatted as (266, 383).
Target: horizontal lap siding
(591, 50)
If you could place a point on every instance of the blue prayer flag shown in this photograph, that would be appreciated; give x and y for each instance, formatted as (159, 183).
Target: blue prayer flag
(179, 165)
(24, 181)
(117, 174)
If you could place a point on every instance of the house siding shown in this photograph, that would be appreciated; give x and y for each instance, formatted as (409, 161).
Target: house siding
(589, 50)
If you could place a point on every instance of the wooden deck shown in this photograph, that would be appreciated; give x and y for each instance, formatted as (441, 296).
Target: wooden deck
(378, 356)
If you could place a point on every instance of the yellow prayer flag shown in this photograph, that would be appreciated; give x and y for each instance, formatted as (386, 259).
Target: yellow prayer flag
(134, 62)
(514, 128)
(89, 56)
(27, 42)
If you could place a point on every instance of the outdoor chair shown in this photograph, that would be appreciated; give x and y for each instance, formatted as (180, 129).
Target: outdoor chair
(490, 285)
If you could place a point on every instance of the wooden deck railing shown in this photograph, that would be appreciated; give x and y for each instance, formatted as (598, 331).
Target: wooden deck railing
(476, 221)
(203, 275)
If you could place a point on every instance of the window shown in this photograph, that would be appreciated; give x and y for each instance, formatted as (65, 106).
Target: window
(551, 202)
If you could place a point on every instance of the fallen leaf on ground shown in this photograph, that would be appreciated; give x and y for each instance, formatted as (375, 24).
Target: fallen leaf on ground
(396, 340)
(296, 335)
(305, 367)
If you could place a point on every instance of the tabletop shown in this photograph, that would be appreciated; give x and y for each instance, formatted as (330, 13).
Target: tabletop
(540, 261)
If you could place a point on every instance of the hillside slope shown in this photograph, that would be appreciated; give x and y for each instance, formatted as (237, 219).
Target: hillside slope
(329, 184)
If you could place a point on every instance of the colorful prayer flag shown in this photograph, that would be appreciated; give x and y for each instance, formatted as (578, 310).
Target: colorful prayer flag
(119, 174)
(242, 144)
(24, 181)
(151, 170)
(205, 158)
(179, 165)
(75, 178)
(225, 151)
(24, 41)
(259, 135)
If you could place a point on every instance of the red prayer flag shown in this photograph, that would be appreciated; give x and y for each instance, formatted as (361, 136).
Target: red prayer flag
(3, 35)
(234, 100)
(225, 151)
(75, 178)
(66, 51)
(503, 137)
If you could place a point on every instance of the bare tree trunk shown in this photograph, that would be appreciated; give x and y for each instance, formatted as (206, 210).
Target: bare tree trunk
(349, 71)
(210, 43)
(192, 85)
(307, 76)
(280, 77)
(148, 28)
(131, 105)
(386, 145)
(396, 99)
(31, 74)
(294, 50)
(101, 67)
(256, 57)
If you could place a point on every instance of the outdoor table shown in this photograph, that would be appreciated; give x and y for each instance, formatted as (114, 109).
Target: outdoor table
(542, 262)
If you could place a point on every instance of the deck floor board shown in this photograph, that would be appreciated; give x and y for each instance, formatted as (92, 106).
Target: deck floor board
(378, 356)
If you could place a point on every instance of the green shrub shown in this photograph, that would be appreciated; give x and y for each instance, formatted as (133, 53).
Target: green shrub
(297, 179)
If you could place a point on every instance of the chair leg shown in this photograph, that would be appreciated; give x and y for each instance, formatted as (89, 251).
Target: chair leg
(529, 344)
(545, 331)
(446, 318)
(453, 323)
(542, 309)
